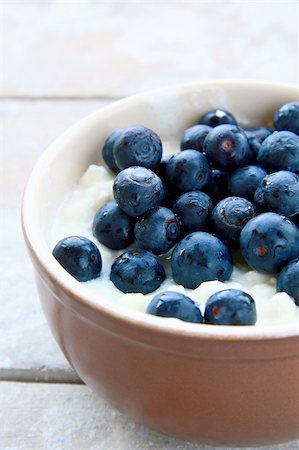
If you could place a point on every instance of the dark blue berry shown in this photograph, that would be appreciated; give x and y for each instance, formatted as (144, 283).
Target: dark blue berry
(280, 151)
(137, 271)
(113, 227)
(157, 230)
(136, 190)
(260, 133)
(193, 210)
(229, 217)
(161, 169)
(226, 146)
(138, 146)
(79, 256)
(255, 138)
(287, 117)
(107, 151)
(217, 186)
(193, 138)
(279, 192)
(188, 171)
(167, 194)
(295, 219)
(269, 242)
(217, 117)
(288, 280)
(175, 304)
(230, 307)
(244, 181)
(200, 257)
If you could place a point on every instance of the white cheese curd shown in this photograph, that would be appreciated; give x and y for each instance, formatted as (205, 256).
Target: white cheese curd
(75, 216)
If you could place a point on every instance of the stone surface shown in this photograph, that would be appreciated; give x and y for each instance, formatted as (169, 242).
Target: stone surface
(115, 48)
(65, 417)
(27, 349)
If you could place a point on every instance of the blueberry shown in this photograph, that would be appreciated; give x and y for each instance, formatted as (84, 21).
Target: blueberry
(230, 307)
(269, 242)
(138, 146)
(136, 190)
(137, 271)
(287, 117)
(229, 217)
(260, 133)
(107, 151)
(161, 169)
(188, 171)
(279, 192)
(295, 219)
(157, 230)
(255, 138)
(79, 256)
(244, 181)
(288, 280)
(280, 151)
(200, 257)
(226, 146)
(175, 304)
(193, 210)
(217, 117)
(217, 186)
(167, 194)
(113, 227)
(193, 138)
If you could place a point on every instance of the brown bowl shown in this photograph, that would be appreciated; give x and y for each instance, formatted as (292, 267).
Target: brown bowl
(217, 385)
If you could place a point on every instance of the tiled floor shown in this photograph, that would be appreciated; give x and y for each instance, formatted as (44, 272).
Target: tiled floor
(61, 60)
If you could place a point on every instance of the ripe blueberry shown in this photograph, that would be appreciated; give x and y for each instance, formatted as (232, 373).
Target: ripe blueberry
(138, 146)
(287, 117)
(280, 151)
(229, 217)
(255, 138)
(193, 210)
(193, 138)
(279, 192)
(244, 181)
(226, 147)
(230, 307)
(217, 117)
(137, 271)
(188, 171)
(107, 151)
(113, 227)
(175, 304)
(136, 190)
(161, 169)
(217, 186)
(200, 257)
(288, 280)
(79, 256)
(269, 242)
(157, 230)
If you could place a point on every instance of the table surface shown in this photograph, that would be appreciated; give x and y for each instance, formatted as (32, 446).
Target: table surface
(62, 60)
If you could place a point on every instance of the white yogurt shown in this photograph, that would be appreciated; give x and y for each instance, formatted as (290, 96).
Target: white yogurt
(75, 217)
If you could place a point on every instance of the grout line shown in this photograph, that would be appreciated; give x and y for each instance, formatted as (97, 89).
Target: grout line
(58, 97)
(40, 376)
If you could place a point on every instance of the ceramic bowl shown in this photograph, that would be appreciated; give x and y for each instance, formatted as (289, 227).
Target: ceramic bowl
(211, 384)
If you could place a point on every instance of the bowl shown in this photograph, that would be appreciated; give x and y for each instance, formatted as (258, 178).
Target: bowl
(215, 385)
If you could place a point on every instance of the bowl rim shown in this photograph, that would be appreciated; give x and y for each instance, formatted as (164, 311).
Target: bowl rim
(45, 262)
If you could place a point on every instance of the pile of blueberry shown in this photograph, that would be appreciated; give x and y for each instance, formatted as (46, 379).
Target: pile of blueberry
(227, 189)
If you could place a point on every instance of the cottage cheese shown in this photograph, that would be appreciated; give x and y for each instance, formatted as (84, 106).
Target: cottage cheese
(75, 217)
